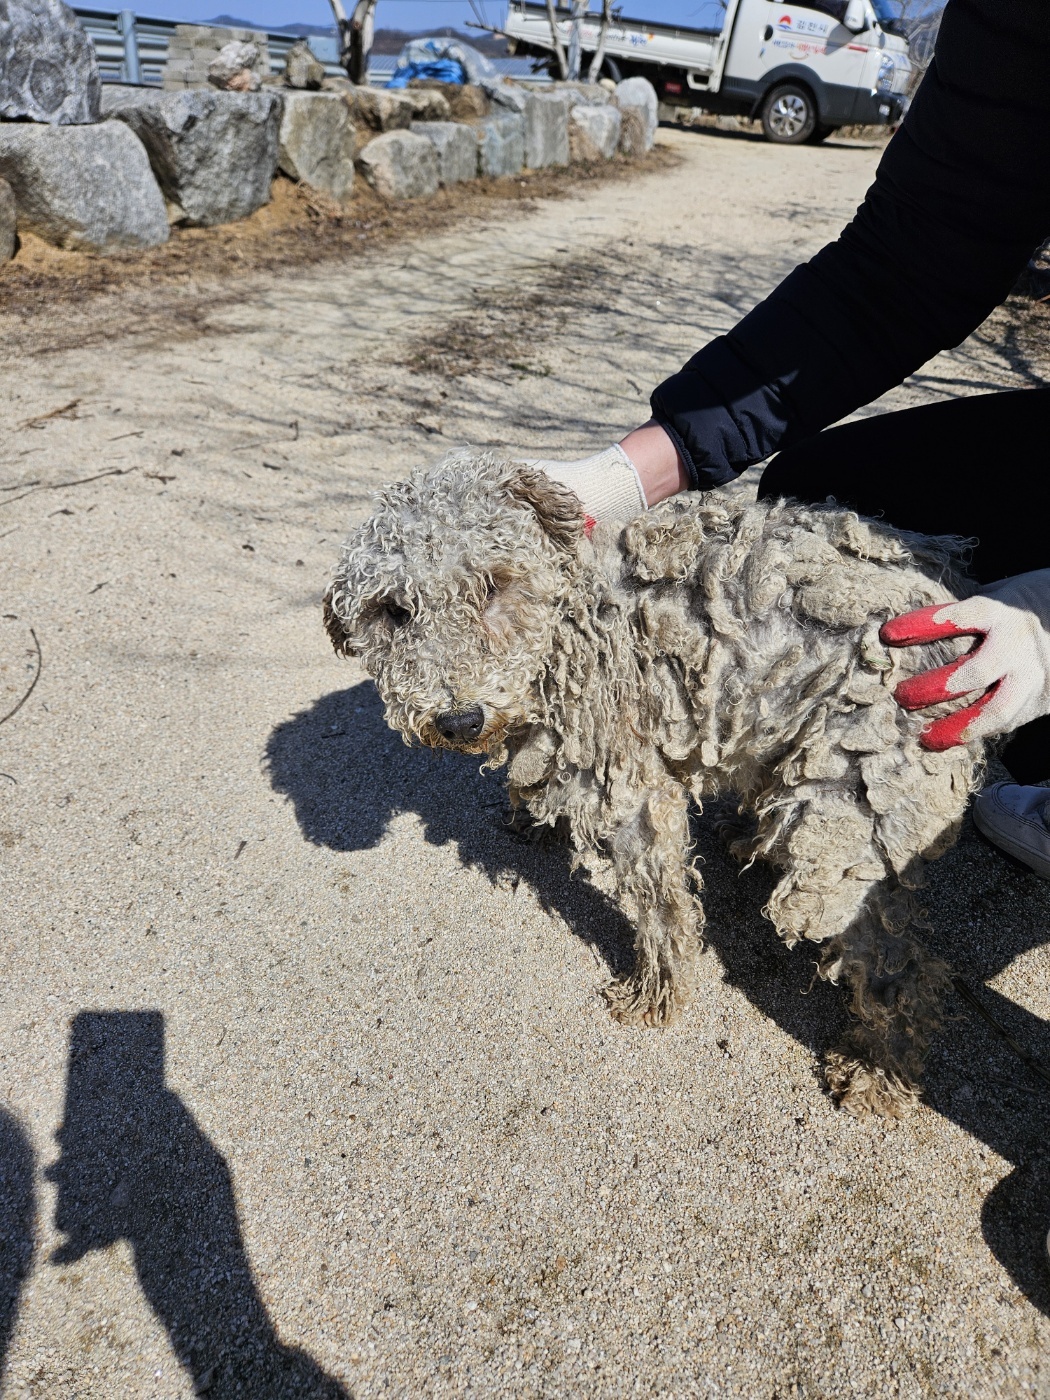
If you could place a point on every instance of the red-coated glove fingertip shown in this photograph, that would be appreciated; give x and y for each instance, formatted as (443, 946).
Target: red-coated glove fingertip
(928, 687)
(951, 730)
(912, 628)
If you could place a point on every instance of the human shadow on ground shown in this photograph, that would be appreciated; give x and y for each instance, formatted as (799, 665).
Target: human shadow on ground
(348, 776)
(135, 1166)
(17, 1225)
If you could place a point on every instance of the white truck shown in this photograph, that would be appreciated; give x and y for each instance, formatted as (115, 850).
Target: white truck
(802, 70)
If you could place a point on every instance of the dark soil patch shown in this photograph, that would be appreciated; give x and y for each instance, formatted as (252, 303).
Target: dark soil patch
(52, 299)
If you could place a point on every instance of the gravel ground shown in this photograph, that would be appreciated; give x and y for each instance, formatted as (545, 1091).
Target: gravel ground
(309, 1088)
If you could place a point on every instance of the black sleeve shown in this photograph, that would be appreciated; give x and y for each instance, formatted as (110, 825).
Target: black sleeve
(961, 199)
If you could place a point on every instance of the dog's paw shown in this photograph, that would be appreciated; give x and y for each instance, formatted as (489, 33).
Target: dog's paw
(641, 1002)
(861, 1088)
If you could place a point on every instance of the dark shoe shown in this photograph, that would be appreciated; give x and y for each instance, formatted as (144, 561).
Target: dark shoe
(1017, 820)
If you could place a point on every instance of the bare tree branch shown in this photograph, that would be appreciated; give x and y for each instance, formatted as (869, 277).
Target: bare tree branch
(32, 684)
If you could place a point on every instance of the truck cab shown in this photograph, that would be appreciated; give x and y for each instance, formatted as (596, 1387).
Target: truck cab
(807, 69)
(801, 69)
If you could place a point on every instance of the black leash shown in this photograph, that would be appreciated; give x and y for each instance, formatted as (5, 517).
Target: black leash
(970, 997)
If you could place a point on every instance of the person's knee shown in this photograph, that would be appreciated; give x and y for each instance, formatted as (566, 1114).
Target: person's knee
(799, 472)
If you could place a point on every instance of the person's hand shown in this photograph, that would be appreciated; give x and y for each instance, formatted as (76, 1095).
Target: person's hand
(607, 484)
(1007, 670)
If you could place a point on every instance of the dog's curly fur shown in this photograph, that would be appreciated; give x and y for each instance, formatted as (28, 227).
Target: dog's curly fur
(710, 646)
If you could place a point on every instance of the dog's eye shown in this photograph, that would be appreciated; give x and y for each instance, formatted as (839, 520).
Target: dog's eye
(396, 615)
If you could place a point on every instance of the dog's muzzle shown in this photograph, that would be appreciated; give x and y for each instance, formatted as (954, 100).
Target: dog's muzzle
(460, 726)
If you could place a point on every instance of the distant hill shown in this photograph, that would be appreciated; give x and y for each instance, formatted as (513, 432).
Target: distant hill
(387, 41)
(302, 30)
(394, 40)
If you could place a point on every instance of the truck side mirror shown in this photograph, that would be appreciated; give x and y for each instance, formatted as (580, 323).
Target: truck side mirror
(856, 17)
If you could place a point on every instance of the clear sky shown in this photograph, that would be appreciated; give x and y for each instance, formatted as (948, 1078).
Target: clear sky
(403, 14)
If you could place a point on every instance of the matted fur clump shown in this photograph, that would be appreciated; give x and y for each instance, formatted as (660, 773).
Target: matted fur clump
(711, 646)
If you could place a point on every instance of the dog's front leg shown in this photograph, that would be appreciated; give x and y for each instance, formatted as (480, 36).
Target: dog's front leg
(650, 853)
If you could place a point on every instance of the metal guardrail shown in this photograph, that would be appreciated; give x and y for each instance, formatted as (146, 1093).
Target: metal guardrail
(133, 48)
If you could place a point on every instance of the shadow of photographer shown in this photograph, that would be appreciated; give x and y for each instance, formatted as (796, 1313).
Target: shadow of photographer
(136, 1166)
(348, 776)
(17, 1224)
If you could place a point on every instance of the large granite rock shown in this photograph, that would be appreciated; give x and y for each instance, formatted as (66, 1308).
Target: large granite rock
(213, 153)
(400, 165)
(379, 109)
(318, 141)
(501, 143)
(546, 130)
(302, 69)
(636, 98)
(585, 94)
(428, 105)
(8, 222)
(48, 69)
(457, 150)
(594, 133)
(233, 67)
(85, 187)
(466, 102)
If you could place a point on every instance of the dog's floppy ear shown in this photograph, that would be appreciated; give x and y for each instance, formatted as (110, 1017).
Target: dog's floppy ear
(334, 627)
(558, 509)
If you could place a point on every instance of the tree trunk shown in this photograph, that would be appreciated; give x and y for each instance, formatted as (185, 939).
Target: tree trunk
(595, 70)
(559, 50)
(355, 38)
(579, 9)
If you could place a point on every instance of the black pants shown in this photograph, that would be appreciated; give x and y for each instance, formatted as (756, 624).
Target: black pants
(975, 467)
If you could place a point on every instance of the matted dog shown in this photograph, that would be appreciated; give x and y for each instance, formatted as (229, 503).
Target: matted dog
(711, 646)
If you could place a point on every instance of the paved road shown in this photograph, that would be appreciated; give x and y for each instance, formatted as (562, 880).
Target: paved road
(339, 1103)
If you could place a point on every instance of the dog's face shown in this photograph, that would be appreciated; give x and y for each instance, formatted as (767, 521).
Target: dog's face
(450, 592)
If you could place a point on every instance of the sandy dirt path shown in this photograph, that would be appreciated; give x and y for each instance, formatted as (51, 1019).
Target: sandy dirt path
(340, 1105)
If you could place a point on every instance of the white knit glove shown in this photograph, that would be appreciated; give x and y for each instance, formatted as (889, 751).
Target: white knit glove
(607, 483)
(1007, 669)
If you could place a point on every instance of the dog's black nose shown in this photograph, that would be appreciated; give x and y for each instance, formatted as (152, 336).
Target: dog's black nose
(457, 725)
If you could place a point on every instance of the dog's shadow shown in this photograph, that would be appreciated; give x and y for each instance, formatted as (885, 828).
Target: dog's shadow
(349, 776)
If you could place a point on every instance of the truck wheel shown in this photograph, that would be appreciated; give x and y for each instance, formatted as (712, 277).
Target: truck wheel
(789, 115)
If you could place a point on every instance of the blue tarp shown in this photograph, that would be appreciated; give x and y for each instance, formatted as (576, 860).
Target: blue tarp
(447, 60)
(442, 70)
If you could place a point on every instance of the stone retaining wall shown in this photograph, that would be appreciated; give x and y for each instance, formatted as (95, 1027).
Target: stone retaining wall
(205, 156)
